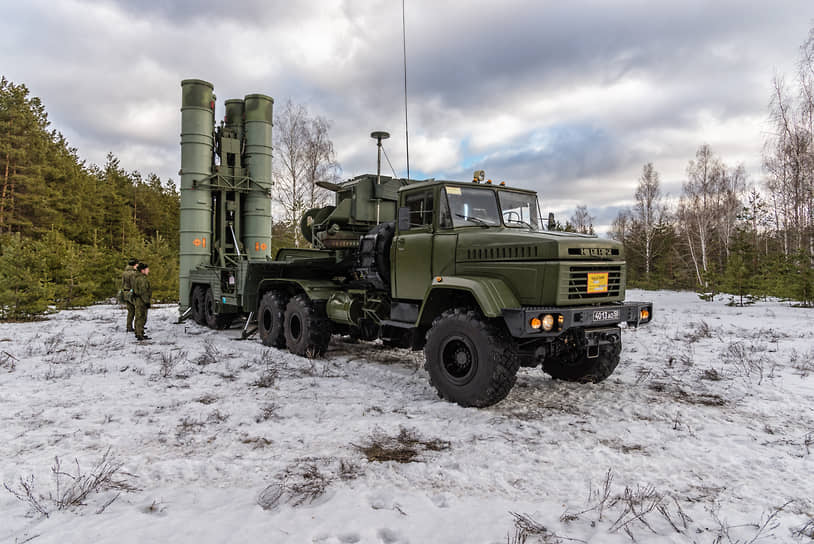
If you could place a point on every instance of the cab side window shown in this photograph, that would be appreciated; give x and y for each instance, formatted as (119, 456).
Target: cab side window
(420, 205)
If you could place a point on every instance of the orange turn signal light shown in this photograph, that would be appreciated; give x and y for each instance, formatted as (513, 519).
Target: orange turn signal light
(644, 314)
(535, 323)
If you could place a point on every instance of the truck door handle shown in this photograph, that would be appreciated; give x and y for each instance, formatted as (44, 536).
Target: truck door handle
(400, 243)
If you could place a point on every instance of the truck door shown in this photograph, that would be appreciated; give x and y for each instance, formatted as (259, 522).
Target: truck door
(413, 246)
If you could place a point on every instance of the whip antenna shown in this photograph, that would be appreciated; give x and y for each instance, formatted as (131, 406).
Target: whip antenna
(404, 45)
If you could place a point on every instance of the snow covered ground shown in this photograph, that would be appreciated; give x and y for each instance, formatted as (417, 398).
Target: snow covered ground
(705, 433)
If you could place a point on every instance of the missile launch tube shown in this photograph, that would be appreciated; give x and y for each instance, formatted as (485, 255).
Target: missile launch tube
(197, 140)
(256, 231)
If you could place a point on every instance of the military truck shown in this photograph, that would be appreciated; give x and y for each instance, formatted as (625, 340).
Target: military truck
(464, 270)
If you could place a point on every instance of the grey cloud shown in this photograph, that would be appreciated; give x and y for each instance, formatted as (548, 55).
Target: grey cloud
(468, 63)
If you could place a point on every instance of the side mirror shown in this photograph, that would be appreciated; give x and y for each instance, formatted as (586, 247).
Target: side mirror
(404, 218)
(551, 223)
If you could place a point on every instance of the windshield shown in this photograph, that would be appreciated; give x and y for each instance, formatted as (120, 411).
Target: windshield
(471, 206)
(519, 210)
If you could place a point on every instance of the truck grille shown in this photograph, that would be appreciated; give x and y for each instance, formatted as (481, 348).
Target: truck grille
(578, 282)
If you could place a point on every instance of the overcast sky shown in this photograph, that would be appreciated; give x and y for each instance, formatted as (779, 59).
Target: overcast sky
(568, 98)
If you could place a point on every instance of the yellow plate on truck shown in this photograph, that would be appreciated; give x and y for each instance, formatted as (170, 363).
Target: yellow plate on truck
(597, 282)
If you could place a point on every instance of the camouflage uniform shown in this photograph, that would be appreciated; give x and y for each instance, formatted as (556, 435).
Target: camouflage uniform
(142, 292)
(127, 284)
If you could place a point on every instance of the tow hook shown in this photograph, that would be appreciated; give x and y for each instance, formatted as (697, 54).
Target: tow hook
(593, 351)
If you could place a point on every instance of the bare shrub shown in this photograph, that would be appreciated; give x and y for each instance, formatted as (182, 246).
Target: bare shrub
(711, 374)
(679, 394)
(405, 447)
(300, 484)
(8, 361)
(802, 364)
(640, 507)
(169, 360)
(207, 399)
(525, 526)
(805, 531)
(306, 480)
(72, 490)
(268, 378)
(348, 470)
(702, 330)
(217, 417)
(188, 426)
(56, 372)
(267, 411)
(746, 360)
(52, 344)
(762, 529)
(256, 441)
(211, 354)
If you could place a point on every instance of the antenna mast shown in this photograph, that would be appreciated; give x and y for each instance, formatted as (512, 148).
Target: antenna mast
(404, 44)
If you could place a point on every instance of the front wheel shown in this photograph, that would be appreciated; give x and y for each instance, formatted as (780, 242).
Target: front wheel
(469, 359)
(585, 369)
(307, 329)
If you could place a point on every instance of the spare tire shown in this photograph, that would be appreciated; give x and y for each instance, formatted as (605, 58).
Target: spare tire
(384, 233)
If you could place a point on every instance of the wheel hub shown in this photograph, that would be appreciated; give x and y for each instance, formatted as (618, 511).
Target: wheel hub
(459, 360)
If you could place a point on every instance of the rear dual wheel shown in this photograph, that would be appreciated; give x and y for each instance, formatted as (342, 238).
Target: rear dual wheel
(271, 318)
(211, 319)
(196, 303)
(307, 329)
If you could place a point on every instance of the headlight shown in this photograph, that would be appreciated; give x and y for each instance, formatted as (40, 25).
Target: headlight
(548, 322)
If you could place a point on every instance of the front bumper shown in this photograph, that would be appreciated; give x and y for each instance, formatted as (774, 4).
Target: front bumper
(518, 320)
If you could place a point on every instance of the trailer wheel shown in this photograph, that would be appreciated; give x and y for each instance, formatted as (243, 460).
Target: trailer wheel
(582, 368)
(270, 318)
(307, 329)
(469, 359)
(213, 320)
(196, 302)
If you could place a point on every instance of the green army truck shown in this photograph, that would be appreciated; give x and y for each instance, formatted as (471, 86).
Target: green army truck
(465, 271)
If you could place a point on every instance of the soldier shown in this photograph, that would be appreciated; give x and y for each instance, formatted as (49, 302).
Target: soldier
(141, 299)
(128, 275)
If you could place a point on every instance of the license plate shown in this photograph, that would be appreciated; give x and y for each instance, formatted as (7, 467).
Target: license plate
(606, 315)
(597, 282)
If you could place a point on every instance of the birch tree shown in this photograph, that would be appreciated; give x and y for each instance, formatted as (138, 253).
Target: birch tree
(648, 214)
(304, 155)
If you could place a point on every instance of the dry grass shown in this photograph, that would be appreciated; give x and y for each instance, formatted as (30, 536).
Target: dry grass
(73, 489)
(405, 447)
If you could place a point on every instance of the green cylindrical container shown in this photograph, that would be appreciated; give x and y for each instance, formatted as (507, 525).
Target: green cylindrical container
(197, 140)
(233, 119)
(256, 234)
(344, 308)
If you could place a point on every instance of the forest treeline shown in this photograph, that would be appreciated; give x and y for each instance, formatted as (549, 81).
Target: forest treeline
(726, 233)
(67, 228)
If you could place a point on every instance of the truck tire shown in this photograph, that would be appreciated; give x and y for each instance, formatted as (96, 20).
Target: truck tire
(386, 232)
(196, 302)
(584, 369)
(307, 329)
(270, 318)
(213, 320)
(469, 359)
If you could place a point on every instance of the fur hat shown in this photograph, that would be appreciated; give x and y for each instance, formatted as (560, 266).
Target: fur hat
(142, 266)
(132, 262)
